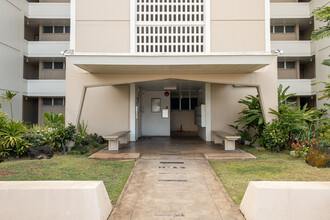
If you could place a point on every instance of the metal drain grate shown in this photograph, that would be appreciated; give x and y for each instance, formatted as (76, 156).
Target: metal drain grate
(174, 167)
(173, 180)
(165, 162)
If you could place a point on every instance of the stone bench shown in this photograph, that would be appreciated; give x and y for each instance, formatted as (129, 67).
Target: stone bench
(56, 200)
(219, 136)
(116, 138)
(274, 200)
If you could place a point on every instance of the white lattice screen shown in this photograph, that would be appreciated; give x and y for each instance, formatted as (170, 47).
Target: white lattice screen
(170, 26)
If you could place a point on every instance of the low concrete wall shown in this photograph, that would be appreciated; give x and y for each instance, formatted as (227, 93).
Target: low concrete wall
(286, 200)
(54, 200)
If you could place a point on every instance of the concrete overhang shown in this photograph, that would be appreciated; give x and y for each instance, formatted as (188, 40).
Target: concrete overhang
(224, 63)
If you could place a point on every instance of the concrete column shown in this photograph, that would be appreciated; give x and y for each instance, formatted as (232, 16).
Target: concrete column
(208, 111)
(132, 105)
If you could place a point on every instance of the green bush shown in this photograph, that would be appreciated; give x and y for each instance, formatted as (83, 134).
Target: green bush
(53, 120)
(274, 136)
(12, 142)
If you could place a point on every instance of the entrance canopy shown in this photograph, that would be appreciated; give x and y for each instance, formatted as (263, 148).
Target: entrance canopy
(184, 64)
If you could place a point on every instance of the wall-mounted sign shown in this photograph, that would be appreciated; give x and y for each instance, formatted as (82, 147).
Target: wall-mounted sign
(166, 93)
(155, 105)
(165, 113)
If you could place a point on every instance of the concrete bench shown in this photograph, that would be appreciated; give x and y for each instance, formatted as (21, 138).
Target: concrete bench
(56, 200)
(219, 136)
(116, 138)
(273, 200)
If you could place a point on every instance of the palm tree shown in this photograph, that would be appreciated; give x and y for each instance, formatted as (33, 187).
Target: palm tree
(8, 97)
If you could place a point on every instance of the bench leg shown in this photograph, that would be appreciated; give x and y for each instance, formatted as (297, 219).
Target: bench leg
(229, 144)
(218, 140)
(114, 144)
(124, 140)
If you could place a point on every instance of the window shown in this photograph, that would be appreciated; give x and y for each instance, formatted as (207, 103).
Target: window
(56, 29)
(289, 29)
(282, 29)
(175, 103)
(53, 65)
(286, 64)
(58, 65)
(279, 29)
(170, 26)
(48, 65)
(47, 101)
(58, 101)
(290, 65)
(280, 65)
(59, 29)
(48, 29)
(53, 101)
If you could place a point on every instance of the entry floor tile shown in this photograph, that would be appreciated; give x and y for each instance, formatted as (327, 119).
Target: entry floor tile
(174, 188)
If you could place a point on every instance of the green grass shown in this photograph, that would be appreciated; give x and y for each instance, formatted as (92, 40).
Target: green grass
(269, 166)
(114, 174)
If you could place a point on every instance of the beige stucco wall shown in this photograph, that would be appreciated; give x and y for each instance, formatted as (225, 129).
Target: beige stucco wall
(107, 109)
(237, 26)
(104, 26)
(186, 118)
(50, 74)
(45, 108)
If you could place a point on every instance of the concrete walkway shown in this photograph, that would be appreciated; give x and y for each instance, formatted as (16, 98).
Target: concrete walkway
(172, 187)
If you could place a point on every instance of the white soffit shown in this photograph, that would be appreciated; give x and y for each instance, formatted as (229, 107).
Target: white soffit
(173, 64)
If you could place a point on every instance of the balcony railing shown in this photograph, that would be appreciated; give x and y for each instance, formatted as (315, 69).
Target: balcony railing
(290, 10)
(45, 88)
(46, 48)
(293, 48)
(301, 87)
(49, 10)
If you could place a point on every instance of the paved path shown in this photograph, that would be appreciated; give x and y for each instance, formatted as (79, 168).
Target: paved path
(174, 188)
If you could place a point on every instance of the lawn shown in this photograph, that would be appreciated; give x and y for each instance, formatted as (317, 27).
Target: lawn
(268, 166)
(114, 174)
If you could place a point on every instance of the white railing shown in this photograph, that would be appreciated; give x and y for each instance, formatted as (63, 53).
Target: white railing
(290, 10)
(293, 48)
(301, 87)
(45, 88)
(49, 10)
(47, 48)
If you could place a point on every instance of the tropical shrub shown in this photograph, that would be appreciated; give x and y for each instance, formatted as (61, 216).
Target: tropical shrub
(12, 142)
(53, 120)
(8, 96)
(251, 119)
(39, 136)
(301, 149)
(61, 136)
(274, 136)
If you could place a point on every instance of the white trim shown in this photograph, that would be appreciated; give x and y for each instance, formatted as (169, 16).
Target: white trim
(132, 27)
(207, 26)
(73, 25)
(224, 59)
(132, 119)
(267, 26)
(208, 122)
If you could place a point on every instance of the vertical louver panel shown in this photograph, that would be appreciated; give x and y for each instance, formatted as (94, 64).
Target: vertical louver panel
(170, 26)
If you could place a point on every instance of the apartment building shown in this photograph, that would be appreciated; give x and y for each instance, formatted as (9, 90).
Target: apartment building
(32, 37)
(299, 65)
(191, 50)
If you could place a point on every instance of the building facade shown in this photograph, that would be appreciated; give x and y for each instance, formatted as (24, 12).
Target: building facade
(33, 35)
(197, 57)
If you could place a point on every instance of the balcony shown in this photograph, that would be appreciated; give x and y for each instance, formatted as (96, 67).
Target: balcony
(293, 48)
(301, 87)
(290, 10)
(49, 10)
(45, 88)
(45, 48)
